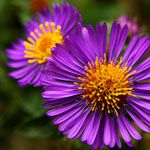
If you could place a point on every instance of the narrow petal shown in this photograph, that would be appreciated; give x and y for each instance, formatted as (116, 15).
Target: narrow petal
(95, 130)
(138, 51)
(112, 130)
(113, 38)
(142, 95)
(123, 130)
(140, 103)
(141, 112)
(60, 110)
(121, 42)
(67, 115)
(129, 48)
(78, 125)
(89, 128)
(142, 87)
(107, 132)
(138, 121)
(101, 31)
(69, 123)
(143, 66)
(132, 131)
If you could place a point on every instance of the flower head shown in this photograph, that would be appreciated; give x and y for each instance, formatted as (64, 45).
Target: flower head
(29, 56)
(131, 23)
(95, 92)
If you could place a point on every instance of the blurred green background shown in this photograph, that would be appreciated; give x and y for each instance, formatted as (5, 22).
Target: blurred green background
(23, 124)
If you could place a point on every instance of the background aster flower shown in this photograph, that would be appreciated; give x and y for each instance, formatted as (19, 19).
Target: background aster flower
(97, 93)
(132, 24)
(29, 56)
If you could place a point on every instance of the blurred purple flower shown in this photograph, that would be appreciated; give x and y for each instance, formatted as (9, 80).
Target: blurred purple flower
(29, 56)
(95, 93)
(131, 23)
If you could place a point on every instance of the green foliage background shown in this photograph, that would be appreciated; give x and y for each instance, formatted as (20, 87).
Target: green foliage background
(23, 124)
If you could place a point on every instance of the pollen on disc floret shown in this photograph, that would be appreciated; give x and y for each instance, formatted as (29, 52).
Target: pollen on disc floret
(106, 85)
(40, 42)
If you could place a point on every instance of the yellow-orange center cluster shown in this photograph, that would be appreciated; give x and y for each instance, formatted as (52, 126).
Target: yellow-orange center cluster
(38, 46)
(106, 86)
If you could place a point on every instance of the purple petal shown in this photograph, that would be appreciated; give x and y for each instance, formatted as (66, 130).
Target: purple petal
(143, 66)
(67, 115)
(118, 142)
(95, 130)
(138, 51)
(78, 124)
(96, 142)
(18, 64)
(113, 36)
(23, 71)
(142, 86)
(60, 101)
(141, 103)
(145, 75)
(60, 110)
(59, 94)
(89, 128)
(130, 128)
(112, 130)
(142, 95)
(130, 47)
(138, 121)
(121, 42)
(70, 122)
(141, 112)
(101, 32)
(123, 130)
(107, 132)
(87, 44)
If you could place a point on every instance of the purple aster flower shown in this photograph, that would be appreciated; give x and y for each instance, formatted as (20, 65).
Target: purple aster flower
(131, 23)
(29, 56)
(97, 93)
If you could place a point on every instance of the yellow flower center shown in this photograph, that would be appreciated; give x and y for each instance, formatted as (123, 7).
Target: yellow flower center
(40, 42)
(106, 86)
